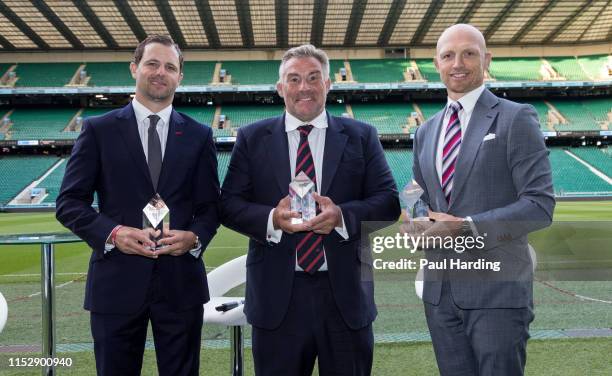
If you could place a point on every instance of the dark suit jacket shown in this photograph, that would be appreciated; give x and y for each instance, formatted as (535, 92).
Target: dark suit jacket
(108, 159)
(504, 184)
(355, 176)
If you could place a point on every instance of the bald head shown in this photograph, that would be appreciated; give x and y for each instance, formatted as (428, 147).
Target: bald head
(461, 59)
(463, 31)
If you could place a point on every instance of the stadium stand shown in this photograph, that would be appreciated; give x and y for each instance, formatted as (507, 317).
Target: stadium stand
(334, 68)
(542, 110)
(243, 115)
(570, 177)
(27, 124)
(516, 69)
(45, 74)
(252, 72)
(577, 116)
(202, 114)
(594, 66)
(22, 170)
(223, 158)
(53, 182)
(599, 108)
(428, 70)
(601, 159)
(379, 71)
(388, 118)
(109, 74)
(336, 109)
(400, 162)
(198, 72)
(429, 109)
(568, 68)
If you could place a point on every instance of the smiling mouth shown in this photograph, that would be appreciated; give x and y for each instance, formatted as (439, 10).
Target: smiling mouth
(304, 100)
(458, 75)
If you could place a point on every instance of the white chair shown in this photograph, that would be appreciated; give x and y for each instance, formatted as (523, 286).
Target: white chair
(221, 280)
(3, 312)
(418, 282)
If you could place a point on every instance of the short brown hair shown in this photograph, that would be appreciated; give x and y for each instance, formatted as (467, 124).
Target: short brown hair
(305, 50)
(166, 40)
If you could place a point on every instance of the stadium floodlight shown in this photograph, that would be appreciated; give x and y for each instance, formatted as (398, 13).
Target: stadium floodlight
(99, 95)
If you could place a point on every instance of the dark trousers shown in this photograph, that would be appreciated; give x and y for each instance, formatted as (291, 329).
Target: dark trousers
(119, 340)
(312, 328)
(478, 341)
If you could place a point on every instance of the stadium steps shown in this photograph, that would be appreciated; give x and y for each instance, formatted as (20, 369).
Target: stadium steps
(334, 71)
(577, 117)
(428, 70)
(216, 74)
(595, 66)
(568, 68)
(4, 128)
(76, 78)
(27, 124)
(595, 157)
(73, 125)
(22, 170)
(7, 80)
(25, 196)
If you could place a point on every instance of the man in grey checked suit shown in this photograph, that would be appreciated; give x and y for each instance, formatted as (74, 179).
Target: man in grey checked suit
(484, 169)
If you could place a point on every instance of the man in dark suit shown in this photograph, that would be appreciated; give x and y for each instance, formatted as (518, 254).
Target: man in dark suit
(305, 295)
(127, 156)
(484, 168)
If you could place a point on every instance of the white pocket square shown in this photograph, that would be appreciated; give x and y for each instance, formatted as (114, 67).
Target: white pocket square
(490, 136)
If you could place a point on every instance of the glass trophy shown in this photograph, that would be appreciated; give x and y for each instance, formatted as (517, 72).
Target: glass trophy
(301, 191)
(411, 198)
(156, 219)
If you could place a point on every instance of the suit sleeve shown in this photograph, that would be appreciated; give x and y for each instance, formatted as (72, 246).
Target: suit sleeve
(527, 158)
(73, 205)
(238, 208)
(206, 194)
(380, 200)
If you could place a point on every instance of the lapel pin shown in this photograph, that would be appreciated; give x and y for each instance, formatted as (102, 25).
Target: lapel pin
(178, 133)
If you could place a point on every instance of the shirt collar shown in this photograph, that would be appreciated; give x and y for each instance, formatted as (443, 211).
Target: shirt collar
(292, 123)
(468, 101)
(143, 112)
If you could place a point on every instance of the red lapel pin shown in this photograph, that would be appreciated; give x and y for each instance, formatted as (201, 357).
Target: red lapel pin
(178, 133)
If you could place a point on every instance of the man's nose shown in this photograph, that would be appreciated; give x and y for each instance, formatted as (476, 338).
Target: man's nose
(458, 61)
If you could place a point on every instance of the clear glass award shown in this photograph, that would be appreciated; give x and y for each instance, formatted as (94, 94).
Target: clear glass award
(301, 191)
(156, 219)
(411, 198)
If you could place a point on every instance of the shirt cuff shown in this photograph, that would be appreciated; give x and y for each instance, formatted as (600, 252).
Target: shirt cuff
(108, 245)
(197, 250)
(342, 230)
(472, 226)
(273, 235)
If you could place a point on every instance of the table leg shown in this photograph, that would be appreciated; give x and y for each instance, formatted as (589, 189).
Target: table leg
(48, 306)
(237, 344)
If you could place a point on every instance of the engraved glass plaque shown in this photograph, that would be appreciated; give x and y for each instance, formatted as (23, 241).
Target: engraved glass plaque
(411, 198)
(156, 219)
(302, 201)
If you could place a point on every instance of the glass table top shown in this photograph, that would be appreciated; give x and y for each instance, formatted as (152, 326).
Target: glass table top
(40, 238)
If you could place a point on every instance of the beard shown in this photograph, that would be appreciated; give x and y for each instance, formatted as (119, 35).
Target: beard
(158, 94)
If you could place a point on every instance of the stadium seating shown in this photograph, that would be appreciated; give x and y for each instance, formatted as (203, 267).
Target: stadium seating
(243, 115)
(598, 108)
(53, 182)
(334, 67)
(259, 72)
(516, 69)
(388, 118)
(198, 72)
(568, 68)
(542, 110)
(204, 115)
(578, 117)
(223, 158)
(45, 74)
(594, 65)
(109, 74)
(400, 162)
(428, 70)
(22, 170)
(336, 109)
(601, 159)
(429, 109)
(571, 177)
(379, 70)
(41, 124)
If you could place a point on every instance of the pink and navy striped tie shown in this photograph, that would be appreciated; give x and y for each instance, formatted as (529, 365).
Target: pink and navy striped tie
(452, 144)
(310, 254)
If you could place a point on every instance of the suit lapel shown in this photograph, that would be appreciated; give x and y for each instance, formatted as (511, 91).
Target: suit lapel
(335, 140)
(173, 146)
(480, 122)
(277, 146)
(128, 128)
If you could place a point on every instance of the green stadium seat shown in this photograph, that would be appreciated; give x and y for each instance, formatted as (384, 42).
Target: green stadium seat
(594, 65)
(400, 163)
(45, 74)
(334, 67)
(542, 110)
(41, 124)
(578, 117)
(568, 67)
(336, 109)
(570, 177)
(428, 70)
(223, 160)
(53, 182)
(109, 74)
(388, 118)
(601, 159)
(198, 72)
(429, 109)
(379, 70)
(22, 170)
(202, 114)
(516, 69)
(598, 108)
(260, 72)
(243, 115)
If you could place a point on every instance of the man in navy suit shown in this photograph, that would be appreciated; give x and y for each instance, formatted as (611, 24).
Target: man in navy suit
(127, 156)
(306, 296)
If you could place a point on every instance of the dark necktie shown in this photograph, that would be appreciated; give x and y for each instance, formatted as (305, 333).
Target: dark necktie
(452, 144)
(310, 254)
(154, 159)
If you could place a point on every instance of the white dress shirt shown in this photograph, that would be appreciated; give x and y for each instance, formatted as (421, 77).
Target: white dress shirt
(316, 141)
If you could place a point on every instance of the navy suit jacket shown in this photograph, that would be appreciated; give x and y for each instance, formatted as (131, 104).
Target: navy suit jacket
(108, 159)
(355, 176)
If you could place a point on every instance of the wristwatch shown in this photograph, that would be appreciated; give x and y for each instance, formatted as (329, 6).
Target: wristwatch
(466, 227)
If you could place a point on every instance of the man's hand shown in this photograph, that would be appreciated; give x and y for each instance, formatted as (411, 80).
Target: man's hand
(329, 218)
(445, 225)
(176, 242)
(134, 241)
(281, 219)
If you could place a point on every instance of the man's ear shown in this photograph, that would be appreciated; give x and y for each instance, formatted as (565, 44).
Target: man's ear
(327, 85)
(279, 89)
(487, 61)
(435, 59)
(133, 68)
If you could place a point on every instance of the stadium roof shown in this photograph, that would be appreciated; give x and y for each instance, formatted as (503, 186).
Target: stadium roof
(238, 24)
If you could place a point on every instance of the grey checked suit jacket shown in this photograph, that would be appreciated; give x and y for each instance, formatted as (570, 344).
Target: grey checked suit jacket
(505, 185)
